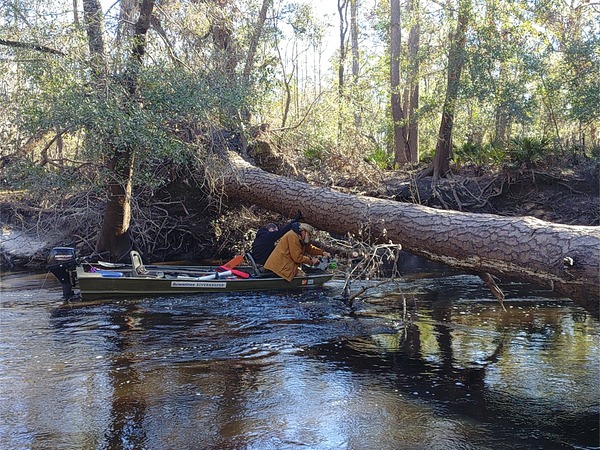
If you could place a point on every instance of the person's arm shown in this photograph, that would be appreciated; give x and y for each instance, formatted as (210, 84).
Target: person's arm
(284, 229)
(276, 235)
(316, 251)
(297, 251)
(288, 226)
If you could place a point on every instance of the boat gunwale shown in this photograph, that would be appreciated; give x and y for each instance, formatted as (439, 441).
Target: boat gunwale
(128, 285)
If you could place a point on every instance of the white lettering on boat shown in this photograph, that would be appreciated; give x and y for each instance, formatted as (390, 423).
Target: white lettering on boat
(198, 284)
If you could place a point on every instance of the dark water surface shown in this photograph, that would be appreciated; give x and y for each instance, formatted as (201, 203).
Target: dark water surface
(290, 371)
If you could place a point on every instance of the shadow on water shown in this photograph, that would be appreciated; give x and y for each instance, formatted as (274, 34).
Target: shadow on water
(128, 405)
(427, 358)
(520, 421)
(107, 330)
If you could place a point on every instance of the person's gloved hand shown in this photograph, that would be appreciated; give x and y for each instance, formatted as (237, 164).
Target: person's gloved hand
(298, 216)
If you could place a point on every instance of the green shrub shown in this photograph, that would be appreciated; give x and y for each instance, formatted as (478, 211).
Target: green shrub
(381, 158)
(479, 155)
(529, 150)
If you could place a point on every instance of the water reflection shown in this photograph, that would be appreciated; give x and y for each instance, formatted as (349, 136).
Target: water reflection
(291, 371)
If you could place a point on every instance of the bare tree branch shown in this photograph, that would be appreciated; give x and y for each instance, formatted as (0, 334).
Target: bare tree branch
(31, 46)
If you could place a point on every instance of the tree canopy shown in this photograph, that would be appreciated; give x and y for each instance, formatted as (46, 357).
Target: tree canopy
(530, 70)
(210, 73)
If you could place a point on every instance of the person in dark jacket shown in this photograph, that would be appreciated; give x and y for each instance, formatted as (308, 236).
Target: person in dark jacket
(267, 236)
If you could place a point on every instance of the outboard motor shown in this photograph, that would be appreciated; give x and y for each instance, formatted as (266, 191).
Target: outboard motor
(62, 262)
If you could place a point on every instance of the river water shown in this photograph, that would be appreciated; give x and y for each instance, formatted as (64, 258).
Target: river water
(299, 370)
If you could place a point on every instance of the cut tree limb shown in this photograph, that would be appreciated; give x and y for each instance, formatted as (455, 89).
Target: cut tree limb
(491, 283)
(519, 248)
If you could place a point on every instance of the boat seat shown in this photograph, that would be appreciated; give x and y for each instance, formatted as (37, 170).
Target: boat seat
(137, 265)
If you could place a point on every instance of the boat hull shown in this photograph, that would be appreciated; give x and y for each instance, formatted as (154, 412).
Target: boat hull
(111, 284)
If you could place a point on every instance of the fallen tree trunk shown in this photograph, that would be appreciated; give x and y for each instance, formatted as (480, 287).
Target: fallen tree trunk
(561, 257)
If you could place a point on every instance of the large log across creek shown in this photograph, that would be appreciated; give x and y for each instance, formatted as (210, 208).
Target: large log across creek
(564, 258)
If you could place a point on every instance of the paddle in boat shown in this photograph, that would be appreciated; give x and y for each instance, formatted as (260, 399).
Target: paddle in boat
(95, 280)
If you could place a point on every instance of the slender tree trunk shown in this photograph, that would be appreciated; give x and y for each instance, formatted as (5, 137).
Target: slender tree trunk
(355, 57)
(114, 235)
(75, 13)
(254, 41)
(127, 14)
(413, 80)
(401, 146)
(456, 57)
(501, 127)
(94, 21)
(502, 115)
(512, 248)
(343, 13)
(258, 28)
(287, 87)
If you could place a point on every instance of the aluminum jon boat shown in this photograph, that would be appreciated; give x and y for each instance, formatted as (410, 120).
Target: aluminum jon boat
(98, 280)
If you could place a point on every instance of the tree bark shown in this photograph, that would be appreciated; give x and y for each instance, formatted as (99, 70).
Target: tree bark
(560, 257)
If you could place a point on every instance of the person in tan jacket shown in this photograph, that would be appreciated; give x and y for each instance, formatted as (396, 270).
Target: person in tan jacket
(292, 250)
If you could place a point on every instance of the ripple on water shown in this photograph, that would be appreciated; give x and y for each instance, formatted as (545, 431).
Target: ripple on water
(294, 370)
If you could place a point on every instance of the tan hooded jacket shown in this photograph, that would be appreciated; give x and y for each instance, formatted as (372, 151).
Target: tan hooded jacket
(289, 253)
